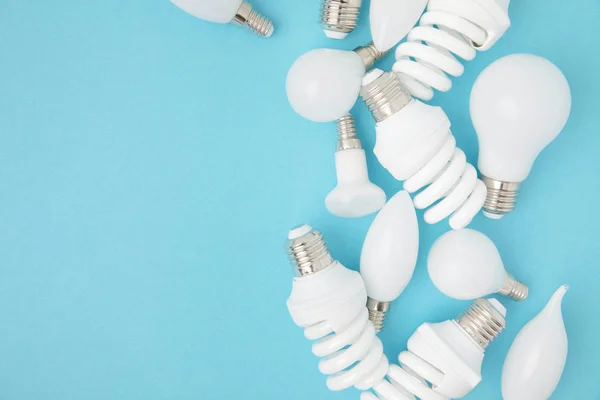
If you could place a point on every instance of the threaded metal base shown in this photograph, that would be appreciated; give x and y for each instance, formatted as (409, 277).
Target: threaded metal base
(501, 197)
(340, 16)
(377, 313)
(514, 289)
(246, 16)
(482, 321)
(370, 55)
(384, 95)
(347, 136)
(307, 251)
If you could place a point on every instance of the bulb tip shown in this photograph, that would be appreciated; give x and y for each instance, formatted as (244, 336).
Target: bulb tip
(299, 231)
(491, 215)
(335, 35)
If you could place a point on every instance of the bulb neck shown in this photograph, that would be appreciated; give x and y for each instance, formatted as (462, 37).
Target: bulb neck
(307, 251)
(377, 312)
(514, 289)
(501, 197)
(384, 94)
(482, 321)
(246, 16)
(370, 55)
(347, 135)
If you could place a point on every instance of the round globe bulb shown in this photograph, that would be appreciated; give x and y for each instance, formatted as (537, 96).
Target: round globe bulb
(323, 84)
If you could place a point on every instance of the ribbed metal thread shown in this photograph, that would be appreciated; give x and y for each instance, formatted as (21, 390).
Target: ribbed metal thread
(370, 55)
(347, 135)
(377, 312)
(246, 16)
(385, 95)
(482, 321)
(308, 253)
(501, 196)
(339, 15)
(514, 289)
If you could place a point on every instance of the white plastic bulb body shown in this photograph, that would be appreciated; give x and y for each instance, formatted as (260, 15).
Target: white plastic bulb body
(219, 11)
(537, 357)
(444, 359)
(391, 20)
(415, 144)
(227, 11)
(519, 104)
(465, 264)
(323, 84)
(389, 255)
(355, 195)
(447, 32)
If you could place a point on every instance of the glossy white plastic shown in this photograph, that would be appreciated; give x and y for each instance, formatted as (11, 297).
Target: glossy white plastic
(354, 196)
(537, 357)
(220, 11)
(391, 20)
(465, 265)
(323, 84)
(390, 250)
(519, 104)
(416, 146)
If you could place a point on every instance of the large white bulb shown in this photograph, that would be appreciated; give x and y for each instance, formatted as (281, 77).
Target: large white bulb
(465, 264)
(537, 357)
(519, 104)
(323, 84)
(389, 255)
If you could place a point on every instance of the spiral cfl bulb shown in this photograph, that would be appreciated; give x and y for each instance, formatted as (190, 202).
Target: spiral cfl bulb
(415, 144)
(426, 59)
(238, 12)
(339, 17)
(328, 300)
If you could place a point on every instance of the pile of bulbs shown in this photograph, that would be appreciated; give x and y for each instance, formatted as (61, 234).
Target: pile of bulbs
(518, 105)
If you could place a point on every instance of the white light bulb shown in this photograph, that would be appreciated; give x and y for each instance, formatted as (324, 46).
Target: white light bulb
(465, 264)
(389, 255)
(328, 300)
(354, 196)
(519, 104)
(537, 357)
(415, 144)
(391, 20)
(227, 11)
(450, 31)
(323, 84)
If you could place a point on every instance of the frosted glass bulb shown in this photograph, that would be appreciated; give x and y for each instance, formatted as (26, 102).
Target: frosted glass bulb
(519, 104)
(354, 196)
(323, 84)
(226, 11)
(537, 357)
(389, 255)
(465, 264)
(391, 20)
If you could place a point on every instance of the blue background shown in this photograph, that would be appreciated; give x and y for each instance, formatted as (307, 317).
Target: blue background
(150, 167)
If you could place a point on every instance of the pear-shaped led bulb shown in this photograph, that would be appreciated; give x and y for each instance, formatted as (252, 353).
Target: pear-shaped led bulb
(537, 357)
(465, 264)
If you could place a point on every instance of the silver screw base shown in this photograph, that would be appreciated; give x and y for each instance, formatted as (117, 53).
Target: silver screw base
(501, 197)
(514, 289)
(384, 95)
(347, 135)
(483, 321)
(377, 313)
(307, 251)
(246, 16)
(370, 55)
(339, 17)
